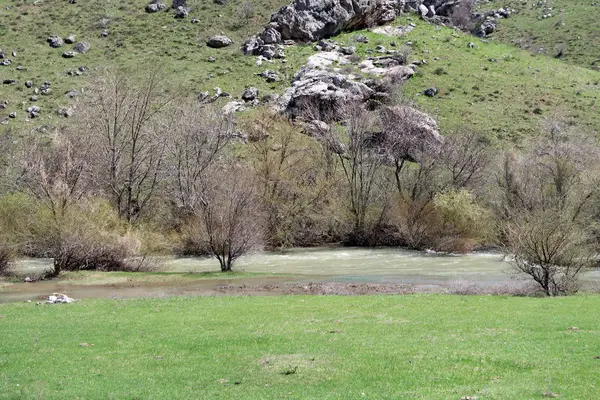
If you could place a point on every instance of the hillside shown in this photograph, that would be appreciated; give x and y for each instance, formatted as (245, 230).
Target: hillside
(566, 29)
(493, 87)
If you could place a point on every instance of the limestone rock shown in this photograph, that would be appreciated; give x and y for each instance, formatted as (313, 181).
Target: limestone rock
(219, 41)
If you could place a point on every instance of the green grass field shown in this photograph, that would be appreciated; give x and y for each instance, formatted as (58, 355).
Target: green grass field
(322, 347)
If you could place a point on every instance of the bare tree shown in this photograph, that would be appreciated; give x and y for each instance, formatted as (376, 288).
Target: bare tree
(56, 174)
(362, 161)
(124, 121)
(198, 137)
(286, 164)
(546, 204)
(552, 249)
(230, 216)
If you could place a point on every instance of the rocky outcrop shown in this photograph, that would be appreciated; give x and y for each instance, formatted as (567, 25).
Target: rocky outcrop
(312, 20)
(323, 93)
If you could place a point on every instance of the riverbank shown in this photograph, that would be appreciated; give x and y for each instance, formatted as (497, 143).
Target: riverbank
(326, 347)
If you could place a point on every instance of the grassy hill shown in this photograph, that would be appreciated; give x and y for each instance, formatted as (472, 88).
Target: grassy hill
(493, 87)
(573, 27)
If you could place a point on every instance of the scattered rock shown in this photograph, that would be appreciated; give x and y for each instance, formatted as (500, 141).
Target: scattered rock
(181, 12)
(33, 111)
(3, 104)
(219, 41)
(28, 84)
(270, 76)
(56, 298)
(573, 328)
(72, 93)
(70, 39)
(55, 41)
(250, 94)
(348, 50)
(423, 10)
(68, 54)
(471, 45)
(430, 92)
(195, 21)
(9, 81)
(234, 106)
(155, 6)
(65, 112)
(27, 280)
(361, 39)
(104, 33)
(14, 115)
(211, 59)
(178, 3)
(33, 98)
(82, 47)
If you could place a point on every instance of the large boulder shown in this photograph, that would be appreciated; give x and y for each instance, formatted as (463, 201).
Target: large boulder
(323, 91)
(219, 41)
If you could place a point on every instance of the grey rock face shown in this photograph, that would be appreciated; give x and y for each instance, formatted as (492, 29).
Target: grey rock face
(325, 90)
(310, 20)
(219, 41)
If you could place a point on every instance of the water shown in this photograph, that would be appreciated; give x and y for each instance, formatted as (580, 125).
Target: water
(392, 265)
(356, 265)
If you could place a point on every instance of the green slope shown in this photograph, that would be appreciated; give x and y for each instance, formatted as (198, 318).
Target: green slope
(573, 26)
(494, 87)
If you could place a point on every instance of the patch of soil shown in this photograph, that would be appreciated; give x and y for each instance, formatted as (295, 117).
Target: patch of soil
(322, 288)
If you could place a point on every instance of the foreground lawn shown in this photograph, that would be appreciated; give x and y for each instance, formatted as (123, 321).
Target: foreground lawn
(372, 347)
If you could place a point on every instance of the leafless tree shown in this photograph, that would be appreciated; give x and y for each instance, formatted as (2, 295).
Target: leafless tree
(198, 137)
(125, 120)
(287, 167)
(56, 174)
(546, 204)
(229, 215)
(552, 249)
(362, 161)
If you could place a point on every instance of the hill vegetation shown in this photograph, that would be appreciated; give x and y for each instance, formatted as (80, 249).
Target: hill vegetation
(563, 29)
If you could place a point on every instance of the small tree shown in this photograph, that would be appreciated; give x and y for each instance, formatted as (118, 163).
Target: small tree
(545, 207)
(229, 216)
(552, 249)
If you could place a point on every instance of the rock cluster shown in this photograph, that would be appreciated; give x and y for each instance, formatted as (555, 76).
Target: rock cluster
(312, 20)
(487, 22)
